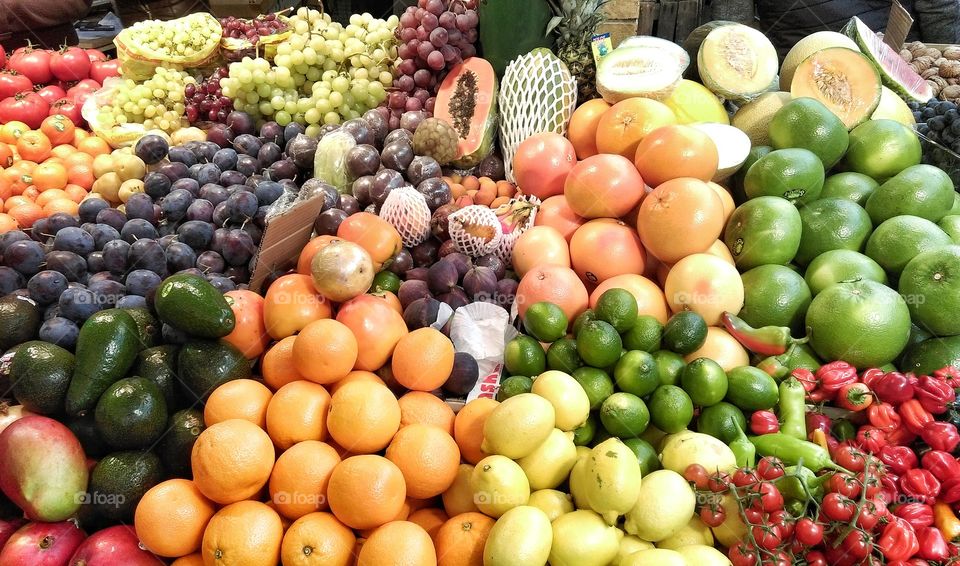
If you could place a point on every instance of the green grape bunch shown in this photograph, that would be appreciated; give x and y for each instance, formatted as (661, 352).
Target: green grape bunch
(182, 38)
(157, 103)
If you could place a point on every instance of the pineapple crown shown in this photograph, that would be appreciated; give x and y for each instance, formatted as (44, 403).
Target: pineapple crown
(576, 20)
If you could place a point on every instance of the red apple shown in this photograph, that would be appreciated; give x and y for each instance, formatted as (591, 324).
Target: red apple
(114, 546)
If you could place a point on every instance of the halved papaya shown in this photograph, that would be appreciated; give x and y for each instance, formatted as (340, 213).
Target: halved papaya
(467, 100)
(738, 62)
(842, 79)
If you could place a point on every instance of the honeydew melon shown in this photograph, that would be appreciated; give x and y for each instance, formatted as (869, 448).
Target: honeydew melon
(893, 107)
(807, 47)
(844, 80)
(647, 67)
(754, 117)
(692, 103)
(738, 62)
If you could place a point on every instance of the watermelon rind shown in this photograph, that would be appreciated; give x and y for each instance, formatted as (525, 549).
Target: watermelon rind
(895, 73)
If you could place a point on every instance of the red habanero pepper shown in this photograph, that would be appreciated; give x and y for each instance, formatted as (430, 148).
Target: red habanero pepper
(854, 397)
(941, 436)
(934, 394)
(950, 374)
(893, 387)
(819, 395)
(933, 545)
(920, 485)
(950, 490)
(901, 437)
(898, 541)
(889, 488)
(764, 422)
(871, 375)
(835, 375)
(884, 416)
(806, 378)
(919, 515)
(871, 439)
(898, 459)
(941, 464)
(818, 421)
(914, 416)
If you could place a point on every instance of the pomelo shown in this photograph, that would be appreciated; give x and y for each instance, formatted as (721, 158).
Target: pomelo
(604, 248)
(808, 124)
(849, 185)
(930, 355)
(680, 217)
(881, 149)
(795, 174)
(930, 283)
(706, 285)
(556, 213)
(951, 225)
(624, 125)
(832, 224)
(604, 186)
(835, 266)
(920, 190)
(898, 240)
(582, 130)
(763, 230)
(775, 295)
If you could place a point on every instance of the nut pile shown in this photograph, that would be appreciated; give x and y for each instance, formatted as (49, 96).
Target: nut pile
(941, 69)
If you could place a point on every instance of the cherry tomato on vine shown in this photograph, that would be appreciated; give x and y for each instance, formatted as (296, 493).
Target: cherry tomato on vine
(809, 532)
(844, 484)
(815, 558)
(782, 519)
(744, 477)
(838, 508)
(697, 475)
(712, 515)
(858, 544)
(851, 458)
(743, 554)
(770, 468)
(769, 499)
(719, 482)
(767, 537)
(753, 515)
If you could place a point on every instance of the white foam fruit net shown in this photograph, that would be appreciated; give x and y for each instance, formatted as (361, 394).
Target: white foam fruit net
(527, 216)
(475, 230)
(406, 209)
(537, 94)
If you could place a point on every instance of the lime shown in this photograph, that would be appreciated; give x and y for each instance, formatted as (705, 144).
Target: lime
(794, 174)
(774, 295)
(583, 435)
(624, 415)
(684, 332)
(545, 321)
(669, 366)
(899, 239)
(756, 152)
(562, 355)
(619, 308)
(524, 356)
(841, 265)
(583, 318)
(514, 385)
(721, 421)
(917, 335)
(951, 225)
(671, 409)
(647, 456)
(863, 322)
(930, 355)
(599, 344)
(571, 405)
(386, 280)
(930, 284)
(922, 190)
(882, 148)
(705, 381)
(636, 372)
(763, 230)
(849, 185)
(645, 334)
(832, 224)
(595, 382)
(808, 124)
(751, 389)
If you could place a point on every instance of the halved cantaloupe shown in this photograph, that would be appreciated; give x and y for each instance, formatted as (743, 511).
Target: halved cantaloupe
(738, 62)
(842, 79)
(807, 47)
(467, 100)
(692, 45)
(754, 117)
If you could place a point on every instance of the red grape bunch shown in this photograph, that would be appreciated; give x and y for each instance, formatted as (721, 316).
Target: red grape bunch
(254, 29)
(205, 101)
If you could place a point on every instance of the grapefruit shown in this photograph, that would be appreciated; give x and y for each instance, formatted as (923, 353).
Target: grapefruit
(604, 186)
(540, 245)
(650, 299)
(721, 348)
(624, 125)
(676, 151)
(680, 217)
(706, 285)
(542, 163)
(557, 284)
(604, 248)
(725, 198)
(556, 213)
(720, 250)
(582, 129)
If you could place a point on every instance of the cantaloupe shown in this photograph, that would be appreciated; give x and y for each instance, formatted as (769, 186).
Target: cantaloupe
(807, 47)
(842, 79)
(754, 117)
(467, 100)
(738, 62)
(643, 66)
(733, 146)
(692, 102)
(894, 108)
(692, 45)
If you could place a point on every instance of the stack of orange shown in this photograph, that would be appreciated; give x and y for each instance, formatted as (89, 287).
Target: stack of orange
(44, 171)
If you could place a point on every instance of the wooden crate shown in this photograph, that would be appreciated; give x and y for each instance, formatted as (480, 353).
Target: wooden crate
(670, 19)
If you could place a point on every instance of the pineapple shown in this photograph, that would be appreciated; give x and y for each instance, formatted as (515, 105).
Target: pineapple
(578, 22)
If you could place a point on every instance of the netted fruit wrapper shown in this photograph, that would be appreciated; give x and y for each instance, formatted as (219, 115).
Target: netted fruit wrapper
(516, 217)
(406, 209)
(475, 230)
(483, 331)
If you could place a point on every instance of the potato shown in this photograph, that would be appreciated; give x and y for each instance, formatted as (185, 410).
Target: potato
(129, 167)
(109, 186)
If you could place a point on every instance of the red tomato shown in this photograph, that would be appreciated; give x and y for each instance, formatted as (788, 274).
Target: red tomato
(3, 57)
(100, 71)
(12, 82)
(34, 63)
(88, 84)
(51, 93)
(70, 64)
(80, 92)
(28, 108)
(809, 532)
(68, 108)
(95, 55)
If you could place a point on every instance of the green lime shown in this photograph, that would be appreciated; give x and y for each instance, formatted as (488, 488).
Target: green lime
(595, 382)
(599, 344)
(646, 455)
(645, 334)
(807, 123)
(930, 355)
(705, 381)
(721, 421)
(922, 190)
(763, 230)
(583, 318)
(583, 434)
(669, 366)
(951, 225)
(636, 372)
(562, 355)
(545, 321)
(756, 152)
(624, 415)
(514, 385)
(524, 356)
(794, 174)
(841, 265)
(619, 308)
(684, 332)
(775, 295)
(832, 224)
(930, 284)
(849, 185)
(882, 148)
(386, 280)
(863, 322)
(671, 409)
(899, 239)
(751, 389)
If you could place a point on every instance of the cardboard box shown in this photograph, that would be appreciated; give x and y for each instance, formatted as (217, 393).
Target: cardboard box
(283, 239)
(240, 8)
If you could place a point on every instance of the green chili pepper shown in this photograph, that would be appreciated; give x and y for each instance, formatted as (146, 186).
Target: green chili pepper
(744, 450)
(792, 451)
(843, 430)
(797, 356)
(767, 341)
(800, 483)
(793, 420)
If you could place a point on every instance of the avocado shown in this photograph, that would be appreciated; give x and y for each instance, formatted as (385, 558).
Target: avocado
(20, 320)
(204, 365)
(177, 444)
(41, 372)
(159, 365)
(191, 304)
(119, 480)
(106, 349)
(148, 327)
(131, 413)
(84, 427)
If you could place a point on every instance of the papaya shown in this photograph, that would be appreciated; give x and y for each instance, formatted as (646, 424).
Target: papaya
(467, 100)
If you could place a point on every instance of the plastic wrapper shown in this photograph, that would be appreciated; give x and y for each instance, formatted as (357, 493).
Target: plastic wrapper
(117, 136)
(406, 209)
(526, 217)
(330, 162)
(483, 330)
(283, 203)
(137, 60)
(234, 49)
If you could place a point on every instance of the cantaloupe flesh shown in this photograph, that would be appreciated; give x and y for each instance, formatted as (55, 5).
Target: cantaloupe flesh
(807, 47)
(843, 80)
(738, 62)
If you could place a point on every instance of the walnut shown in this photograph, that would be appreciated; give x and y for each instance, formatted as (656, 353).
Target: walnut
(952, 92)
(915, 46)
(954, 81)
(940, 82)
(932, 52)
(952, 53)
(940, 62)
(935, 87)
(922, 63)
(950, 69)
(930, 73)
(906, 55)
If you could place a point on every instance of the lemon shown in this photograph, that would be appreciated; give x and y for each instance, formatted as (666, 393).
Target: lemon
(704, 555)
(552, 502)
(664, 506)
(685, 448)
(582, 538)
(518, 425)
(614, 479)
(628, 545)
(550, 463)
(570, 402)
(521, 537)
(733, 529)
(459, 496)
(655, 557)
(694, 532)
(578, 479)
(499, 485)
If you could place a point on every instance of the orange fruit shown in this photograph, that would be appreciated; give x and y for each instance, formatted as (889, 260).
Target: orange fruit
(195, 559)
(355, 375)
(249, 334)
(557, 284)
(76, 192)
(246, 533)
(50, 176)
(430, 519)
(232, 461)
(79, 135)
(171, 517)
(50, 195)
(582, 129)
(468, 428)
(298, 412)
(277, 364)
(676, 151)
(540, 245)
(604, 248)
(16, 200)
(428, 458)
(11, 131)
(725, 198)
(298, 483)
(34, 146)
(25, 214)
(363, 417)
(372, 233)
(680, 217)
(398, 542)
(245, 399)
(460, 540)
(93, 145)
(6, 155)
(366, 491)
(423, 359)
(556, 213)
(325, 351)
(624, 125)
(460, 498)
(65, 205)
(649, 297)
(604, 186)
(31, 193)
(420, 407)
(291, 303)
(7, 223)
(376, 325)
(318, 539)
(310, 250)
(63, 150)
(59, 129)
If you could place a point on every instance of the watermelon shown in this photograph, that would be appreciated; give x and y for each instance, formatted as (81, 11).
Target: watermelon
(895, 73)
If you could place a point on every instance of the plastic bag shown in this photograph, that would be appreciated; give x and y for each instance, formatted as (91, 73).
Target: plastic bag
(483, 330)
(330, 163)
(117, 136)
(138, 59)
(234, 49)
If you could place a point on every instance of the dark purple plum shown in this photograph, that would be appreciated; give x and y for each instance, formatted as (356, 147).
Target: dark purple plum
(423, 167)
(192, 271)
(174, 170)
(223, 284)
(220, 214)
(302, 149)
(292, 130)
(179, 256)
(401, 135)
(60, 331)
(361, 189)
(90, 207)
(74, 239)
(115, 255)
(271, 132)
(268, 192)
(464, 375)
(238, 189)
(207, 173)
(247, 144)
(436, 191)
(240, 122)
(359, 129)
(410, 120)
(282, 169)
(411, 290)
(225, 159)
(151, 149)
(254, 230)
(26, 256)
(95, 262)
(165, 241)
(492, 166)
(188, 184)
(142, 282)
(61, 220)
(237, 273)
(241, 206)
(183, 155)
(378, 125)
(349, 204)
(328, 222)
(397, 155)
(132, 302)
(492, 261)
(108, 292)
(140, 205)
(39, 231)
(77, 304)
(247, 165)
(228, 178)
(426, 253)
(147, 254)
(269, 153)
(260, 218)
(102, 275)
(113, 217)
(402, 262)
(221, 135)
(362, 160)
(211, 262)
(167, 227)
(506, 292)
(10, 280)
(442, 277)
(200, 209)
(45, 287)
(238, 247)
(383, 182)
(206, 150)
(138, 229)
(175, 204)
(461, 261)
(196, 234)
(480, 284)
